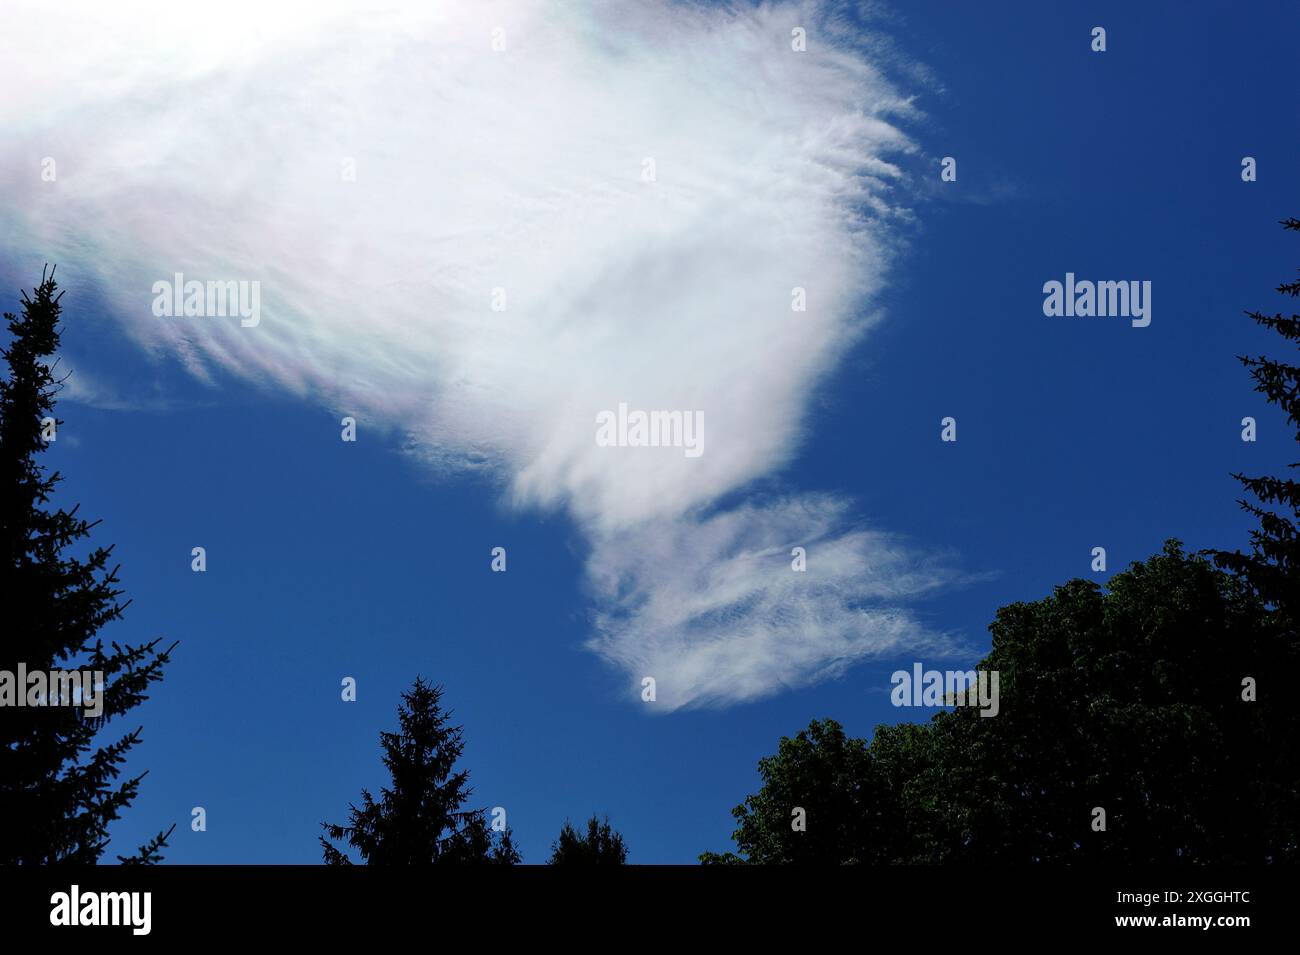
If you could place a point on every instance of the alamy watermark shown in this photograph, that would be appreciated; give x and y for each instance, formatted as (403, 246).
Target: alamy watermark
(651, 429)
(214, 299)
(75, 907)
(82, 688)
(922, 687)
(1088, 299)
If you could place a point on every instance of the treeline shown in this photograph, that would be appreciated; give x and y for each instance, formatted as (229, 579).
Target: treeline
(420, 817)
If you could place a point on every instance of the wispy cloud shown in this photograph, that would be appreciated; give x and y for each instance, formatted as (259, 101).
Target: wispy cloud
(715, 611)
(211, 139)
(83, 387)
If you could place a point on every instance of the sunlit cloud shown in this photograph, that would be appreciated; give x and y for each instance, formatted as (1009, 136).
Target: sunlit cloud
(480, 225)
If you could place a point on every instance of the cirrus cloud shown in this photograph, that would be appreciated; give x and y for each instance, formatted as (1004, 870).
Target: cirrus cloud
(209, 139)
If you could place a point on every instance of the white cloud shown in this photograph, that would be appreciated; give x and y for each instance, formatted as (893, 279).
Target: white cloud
(715, 612)
(208, 138)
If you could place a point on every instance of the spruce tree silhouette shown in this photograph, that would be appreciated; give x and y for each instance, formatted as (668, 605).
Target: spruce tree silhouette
(57, 797)
(1273, 565)
(601, 845)
(1272, 568)
(419, 819)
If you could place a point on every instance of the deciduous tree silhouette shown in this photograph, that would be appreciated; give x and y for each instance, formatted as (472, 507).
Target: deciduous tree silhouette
(600, 845)
(419, 819)
(59, 789)
(1130, 700)
(847, 793)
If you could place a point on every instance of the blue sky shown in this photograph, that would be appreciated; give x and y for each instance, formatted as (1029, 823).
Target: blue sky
(371, 559)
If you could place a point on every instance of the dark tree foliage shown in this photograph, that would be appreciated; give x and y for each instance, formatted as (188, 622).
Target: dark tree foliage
(1129, 699)
(832, 779)
(59, 786)
(419, 818)
(600, 845)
